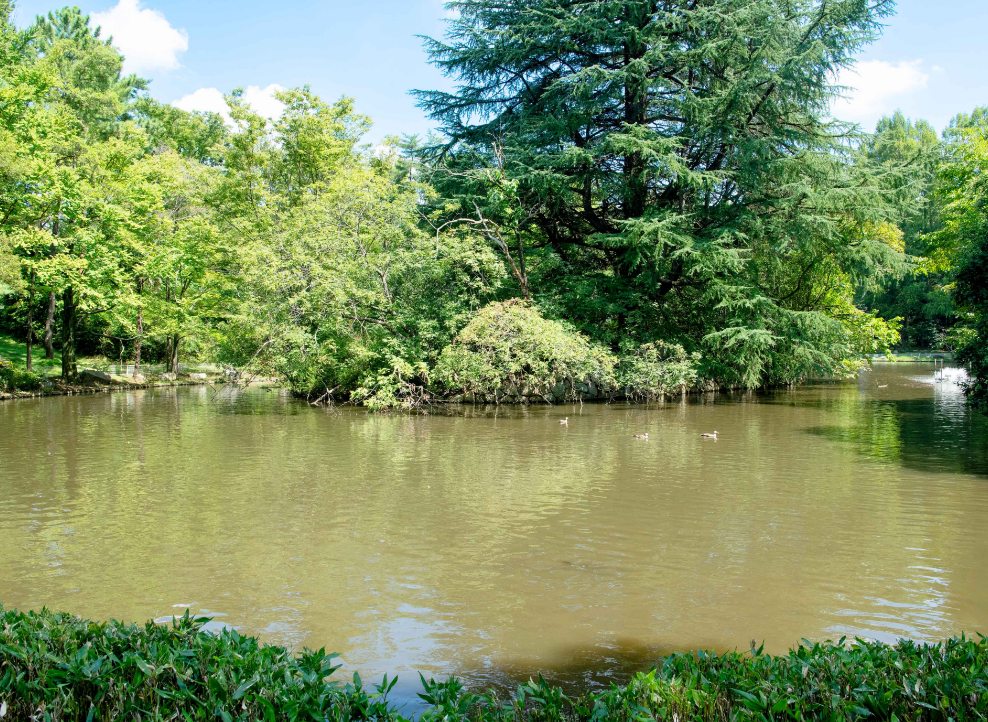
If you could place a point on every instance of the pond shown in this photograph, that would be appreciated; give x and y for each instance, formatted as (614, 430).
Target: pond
(496, 542)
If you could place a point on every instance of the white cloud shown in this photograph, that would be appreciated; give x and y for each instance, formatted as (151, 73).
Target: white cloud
(261, 101)
(877, 89)
(144, 36)
(207, 100)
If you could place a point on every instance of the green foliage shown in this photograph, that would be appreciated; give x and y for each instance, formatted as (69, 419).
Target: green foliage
(655, 369)
(198, 136)
(65, 137)
(16, 379)
(663, 183)
(865, 679)
(61, 667)
(510, 350)
(959, 248)
(907, 154)
(971, 292)
(92, 87)
(75, 669)
(10, 269)
(347, 295)
(669, 172)
(106, 197)
(398, 385)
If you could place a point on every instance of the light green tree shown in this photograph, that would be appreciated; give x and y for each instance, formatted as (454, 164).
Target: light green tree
(177, 257)
(345, 293)
(66, 138)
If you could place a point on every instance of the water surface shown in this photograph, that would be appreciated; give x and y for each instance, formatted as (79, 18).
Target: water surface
(493, 543)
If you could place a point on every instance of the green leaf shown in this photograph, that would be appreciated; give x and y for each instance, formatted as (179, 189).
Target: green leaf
(267, 707)
(242, 689)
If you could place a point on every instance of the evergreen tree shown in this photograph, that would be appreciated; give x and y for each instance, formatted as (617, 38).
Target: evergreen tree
(667, 170)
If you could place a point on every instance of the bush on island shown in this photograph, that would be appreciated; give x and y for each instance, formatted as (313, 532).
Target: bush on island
(509, 351)
(655, 369)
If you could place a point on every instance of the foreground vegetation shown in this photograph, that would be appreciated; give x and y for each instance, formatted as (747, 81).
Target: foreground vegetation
(60, 667)
(661, 192)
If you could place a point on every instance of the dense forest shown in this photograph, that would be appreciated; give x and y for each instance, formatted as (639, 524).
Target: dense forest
(622, 197)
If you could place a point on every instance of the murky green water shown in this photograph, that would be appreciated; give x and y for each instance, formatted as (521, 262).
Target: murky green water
(494, 543)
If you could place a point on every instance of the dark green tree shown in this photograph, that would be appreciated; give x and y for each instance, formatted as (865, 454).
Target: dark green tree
(958, 249)
(971, 292)
(668, 170)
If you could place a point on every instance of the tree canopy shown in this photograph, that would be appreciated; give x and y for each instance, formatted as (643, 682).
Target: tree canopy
(633, 195)
(668, 170)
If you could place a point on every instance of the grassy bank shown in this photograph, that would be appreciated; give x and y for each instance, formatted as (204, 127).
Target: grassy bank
(18, 384)
(16, 352)
(60, 667)
(14, 376)
(45, 380)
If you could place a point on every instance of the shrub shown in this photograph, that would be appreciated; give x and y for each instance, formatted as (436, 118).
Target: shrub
(60, 667)
(14, 379)
(508, 350)
(656, 369)
(398, 386)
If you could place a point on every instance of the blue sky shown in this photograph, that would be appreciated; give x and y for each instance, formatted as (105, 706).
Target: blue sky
(930, 61)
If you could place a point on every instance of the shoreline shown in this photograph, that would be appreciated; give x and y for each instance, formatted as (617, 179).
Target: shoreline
(123, 384)
(912, 357)
(60, 389)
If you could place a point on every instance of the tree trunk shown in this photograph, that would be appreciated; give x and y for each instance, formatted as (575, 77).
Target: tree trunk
(47, 340)
(137, 343)
(30, 323)
(635, 113)
(140, 331)
(69, 318)
(173, 361)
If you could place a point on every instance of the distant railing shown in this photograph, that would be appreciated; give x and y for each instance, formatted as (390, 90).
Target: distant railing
(918, 355)
(155, 369)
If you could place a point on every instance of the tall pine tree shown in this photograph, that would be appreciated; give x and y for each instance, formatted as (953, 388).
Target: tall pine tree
(668, 169)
